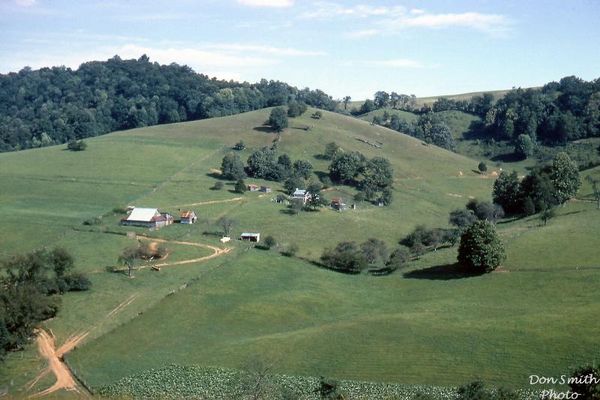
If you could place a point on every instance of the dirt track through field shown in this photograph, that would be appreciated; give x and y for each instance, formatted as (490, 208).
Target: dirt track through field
(46, 341)
(204, 203)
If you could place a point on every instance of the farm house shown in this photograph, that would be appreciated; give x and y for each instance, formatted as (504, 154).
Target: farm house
(301, 194)
(265, 189)
(338, 204)
(147, 218)
(253, 188)
(187, 217)
(250, 237)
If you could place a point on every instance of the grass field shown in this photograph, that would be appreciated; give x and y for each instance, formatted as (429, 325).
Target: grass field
(250, 302)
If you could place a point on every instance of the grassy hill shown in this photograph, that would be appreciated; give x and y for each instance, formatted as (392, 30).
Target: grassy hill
(407, 329)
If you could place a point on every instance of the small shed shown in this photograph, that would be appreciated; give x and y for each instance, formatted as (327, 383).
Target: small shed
(338, 204)
(253, 188)
(265, 189)
(250, 237)
(188, 217)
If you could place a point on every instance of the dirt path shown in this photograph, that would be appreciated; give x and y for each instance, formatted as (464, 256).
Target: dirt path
(204, 203)
(217, 251)
(64, 378)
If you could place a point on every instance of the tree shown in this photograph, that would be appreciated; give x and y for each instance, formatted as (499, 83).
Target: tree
(398, 258)
(129, 257)
(507, 192)
(295, 109)
(377, 175)
(374, 250)
(345, 167)
(232, 167)
(482, 167)
(317, 115)
(585, 381)
(226, 223)
(292, 183)
(524, 146)
(480, 248)
(462, 218)
(302, 168)
(345, 257)
(381, 99)
(547, 214)
(218, 185)
(240, 186)
(278, 119)
(367, 107)
(346, 100)
(537, 190)
(331, 150)
(565, 177)
(239, 146)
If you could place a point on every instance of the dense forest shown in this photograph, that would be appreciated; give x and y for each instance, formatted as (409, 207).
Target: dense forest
(554, 114)
(58, 105)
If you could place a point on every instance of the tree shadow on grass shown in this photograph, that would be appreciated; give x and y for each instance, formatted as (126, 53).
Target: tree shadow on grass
(507, 158)
(442, 273)
(265, 129)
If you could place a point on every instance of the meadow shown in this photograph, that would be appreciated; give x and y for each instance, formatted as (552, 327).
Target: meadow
(534, 316)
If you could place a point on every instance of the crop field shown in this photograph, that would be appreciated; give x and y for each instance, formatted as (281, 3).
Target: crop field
(532, 316)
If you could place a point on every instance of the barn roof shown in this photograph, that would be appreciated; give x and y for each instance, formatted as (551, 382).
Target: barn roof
(142, 214)
(299, 192)
(187, 214)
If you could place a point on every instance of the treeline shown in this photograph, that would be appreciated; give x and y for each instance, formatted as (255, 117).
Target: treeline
(58, 105)
(555, 114)
(30, 289)
(429, 127)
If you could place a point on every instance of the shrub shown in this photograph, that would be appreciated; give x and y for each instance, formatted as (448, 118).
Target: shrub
(240, 186)
(77, 282)
(482, 167)
(586, 388)
(270, 242)
(345, 257)
(239, 145)
(218, 185)
(76, 145)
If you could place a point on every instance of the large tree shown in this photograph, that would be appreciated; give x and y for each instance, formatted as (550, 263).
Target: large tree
(345, 167)
(480, 249)
(565, 176)
(232, 167)
(507, 192)
(278, 119)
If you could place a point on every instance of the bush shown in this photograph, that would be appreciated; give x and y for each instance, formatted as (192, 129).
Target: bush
(76, 145)
(480, 248)
(291, 250)
(218, 185)
(319, 115)
(270, 242)
(482, 167)
(345, 257)
(240, 186)
(278, 119)
(77, 282)
(586, 388)
(239, 146)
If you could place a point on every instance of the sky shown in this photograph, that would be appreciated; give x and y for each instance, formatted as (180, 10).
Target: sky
(345, 48)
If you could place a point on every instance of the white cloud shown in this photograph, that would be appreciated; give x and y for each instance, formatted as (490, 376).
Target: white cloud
(390, 20)
(267, 3)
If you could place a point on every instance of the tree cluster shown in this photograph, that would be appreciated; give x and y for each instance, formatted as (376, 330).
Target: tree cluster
(429, 127)
(265, 164)
(30, 286)
(350, 257)
(56, 105)
(374, 177)
(542, 189)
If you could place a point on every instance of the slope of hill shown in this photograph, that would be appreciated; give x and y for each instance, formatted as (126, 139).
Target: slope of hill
(248, 301)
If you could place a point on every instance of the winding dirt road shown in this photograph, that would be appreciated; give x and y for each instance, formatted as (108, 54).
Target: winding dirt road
(54, 357)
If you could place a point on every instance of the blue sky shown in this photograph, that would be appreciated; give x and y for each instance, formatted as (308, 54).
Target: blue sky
(342, 47)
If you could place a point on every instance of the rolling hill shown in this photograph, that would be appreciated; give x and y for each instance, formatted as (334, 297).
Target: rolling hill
(405, 328)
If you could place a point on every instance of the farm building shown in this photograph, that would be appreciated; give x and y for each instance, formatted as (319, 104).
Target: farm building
(265, 189)
(250, 237)
(253, 188)
(301, 194)
(147, 218)
(338, 204)
(188, 217)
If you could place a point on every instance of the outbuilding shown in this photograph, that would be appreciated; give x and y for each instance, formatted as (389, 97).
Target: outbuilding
(147, 218)
(188, 217)
(250, 237)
